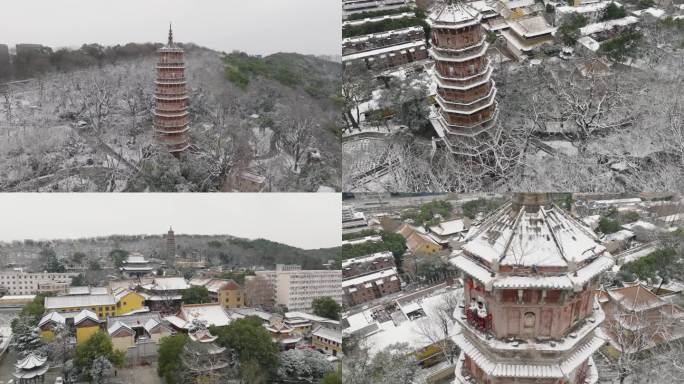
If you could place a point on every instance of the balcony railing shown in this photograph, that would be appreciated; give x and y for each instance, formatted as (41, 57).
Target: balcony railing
(483, 324)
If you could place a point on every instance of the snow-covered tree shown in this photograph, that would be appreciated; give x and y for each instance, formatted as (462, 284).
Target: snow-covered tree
(393, 365)
(303, 366)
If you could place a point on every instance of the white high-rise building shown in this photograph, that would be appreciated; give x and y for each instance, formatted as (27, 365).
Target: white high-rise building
(25, 283)
(296, 288)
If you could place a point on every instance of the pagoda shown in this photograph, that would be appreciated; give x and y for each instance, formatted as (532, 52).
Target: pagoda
(31, 369)
(170, 244)
(528, 313)
(465, 100)
(171, 99)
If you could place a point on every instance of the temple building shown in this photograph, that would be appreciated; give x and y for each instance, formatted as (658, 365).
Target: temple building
(528, 312)
(31, 369)
(136, 265)
(171, 99)
(465, 100)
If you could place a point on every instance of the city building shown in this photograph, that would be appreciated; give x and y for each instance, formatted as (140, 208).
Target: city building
(367, 264)
(637, 319)
(27, 283)
(529, 272)
(353, 221)
(418, 242)
(592, 10)
(371, 286)
(117, 303)
(136, 265)
(466, 105)
(296, 288)
(164, 294)
(527, 34)
(327, 340)
(449, 231)
(132, 332)
(171, 99)
(350, 7)
(87, 324)
(226, 292)
(49, 323)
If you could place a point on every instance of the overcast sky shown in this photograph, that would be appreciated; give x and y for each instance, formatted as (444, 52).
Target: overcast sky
(253, 26)
(305, 220)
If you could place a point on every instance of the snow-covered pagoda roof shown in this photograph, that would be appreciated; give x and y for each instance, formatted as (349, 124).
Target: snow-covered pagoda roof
(453, 14)
(31, 361)
(531, 243)
(533, 233)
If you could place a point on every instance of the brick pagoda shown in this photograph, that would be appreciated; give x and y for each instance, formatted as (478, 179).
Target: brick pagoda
(171, 99)
(528, 313)
(466, 105)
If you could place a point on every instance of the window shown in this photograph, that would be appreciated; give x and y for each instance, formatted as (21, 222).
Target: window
(529, 320)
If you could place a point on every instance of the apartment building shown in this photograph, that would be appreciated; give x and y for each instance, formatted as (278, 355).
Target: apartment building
(296, 288)
(26, 283)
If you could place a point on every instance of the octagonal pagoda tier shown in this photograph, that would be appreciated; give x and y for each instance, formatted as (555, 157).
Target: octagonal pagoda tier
(171, 118)
(528, 312)
(466, 105)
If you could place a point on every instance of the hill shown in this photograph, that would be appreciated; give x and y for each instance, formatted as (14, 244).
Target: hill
(225, 250)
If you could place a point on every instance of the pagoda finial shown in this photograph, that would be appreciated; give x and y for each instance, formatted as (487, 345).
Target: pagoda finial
(170, 35)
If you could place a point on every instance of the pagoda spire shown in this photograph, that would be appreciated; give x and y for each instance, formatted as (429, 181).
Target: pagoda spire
(170, 35)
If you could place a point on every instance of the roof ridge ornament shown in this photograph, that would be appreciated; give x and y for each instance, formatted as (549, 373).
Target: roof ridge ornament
(170, 35)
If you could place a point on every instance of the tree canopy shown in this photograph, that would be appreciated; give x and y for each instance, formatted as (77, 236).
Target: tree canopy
(252, 343)
(326, 307)
(168, 362)
(196, 295)
(97, 346)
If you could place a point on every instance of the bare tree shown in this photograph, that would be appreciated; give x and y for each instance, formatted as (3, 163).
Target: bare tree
(295, 138)
(97, 100)
(438, 324)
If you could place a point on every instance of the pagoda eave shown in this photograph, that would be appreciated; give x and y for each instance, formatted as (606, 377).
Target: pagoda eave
(460, 59)
(449, 106)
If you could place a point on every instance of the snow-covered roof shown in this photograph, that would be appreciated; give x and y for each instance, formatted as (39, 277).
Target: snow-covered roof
(620, 235)
(655, 12)
(51, 317)
(536, 369)
(117, 326)
(547, 237)
(167, 284)
(374, 238)
(599, 27)
(409, 331)
(531, 26)
(640, 224)
(589, 43)
(310, 317)
(636, 298)
(513, 4)
(212, 314)
(76, 301)
(366, 259)
(85, 314)
(583, 8)
(370, 277)
(593, 220)
(383, 50)
(450, 227)
(31, 361)
(329, 334)
(453, 14)
(150, 324)
(569, 280)
(135, 258)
